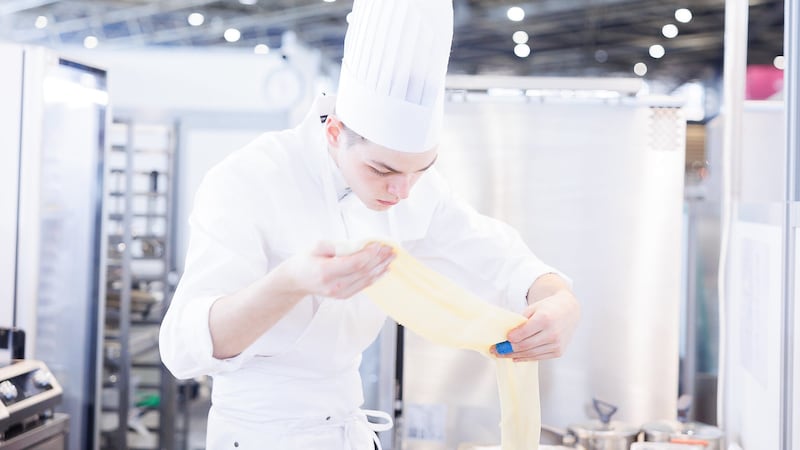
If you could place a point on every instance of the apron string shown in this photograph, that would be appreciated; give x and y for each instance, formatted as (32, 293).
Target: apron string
(387, 423)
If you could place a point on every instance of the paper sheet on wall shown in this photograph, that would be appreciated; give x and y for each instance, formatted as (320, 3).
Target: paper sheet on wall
(439, 310)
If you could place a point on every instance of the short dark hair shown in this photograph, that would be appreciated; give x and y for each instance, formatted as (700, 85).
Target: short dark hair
(351, 137)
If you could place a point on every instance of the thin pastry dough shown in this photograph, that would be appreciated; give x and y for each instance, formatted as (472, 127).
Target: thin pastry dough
(434, 307)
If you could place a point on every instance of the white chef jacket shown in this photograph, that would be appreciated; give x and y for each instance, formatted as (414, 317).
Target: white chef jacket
(276, 197)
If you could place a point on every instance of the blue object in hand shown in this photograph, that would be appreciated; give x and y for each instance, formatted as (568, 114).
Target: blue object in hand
(503, 348)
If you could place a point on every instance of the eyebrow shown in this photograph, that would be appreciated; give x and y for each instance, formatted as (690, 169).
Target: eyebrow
(393, 170)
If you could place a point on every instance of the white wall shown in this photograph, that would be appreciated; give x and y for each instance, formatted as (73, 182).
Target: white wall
(158, 82)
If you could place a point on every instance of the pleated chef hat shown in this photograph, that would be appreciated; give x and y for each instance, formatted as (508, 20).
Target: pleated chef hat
(391, 86)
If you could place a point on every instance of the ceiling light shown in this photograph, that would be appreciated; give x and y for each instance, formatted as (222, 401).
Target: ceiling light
(657, 51)
(520, 37)
(248, 2)
(601, 56)
(683, 15)
(261, 49)
(90, 42)
(232, 35)
(515, 14)
(669, 31)
(40, 22)
(779, 62)
(328, 1)
(522, 50)
(195, 19)
(640, 69)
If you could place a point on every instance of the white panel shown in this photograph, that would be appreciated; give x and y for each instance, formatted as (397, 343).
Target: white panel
(10, 116)
(796, 356)
(762, 165)
(752, 401)
(597, 191)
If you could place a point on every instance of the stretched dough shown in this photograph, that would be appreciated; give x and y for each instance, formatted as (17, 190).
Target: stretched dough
(437, 309)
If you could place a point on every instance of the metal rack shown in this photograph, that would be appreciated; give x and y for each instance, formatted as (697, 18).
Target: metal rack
(139, 399)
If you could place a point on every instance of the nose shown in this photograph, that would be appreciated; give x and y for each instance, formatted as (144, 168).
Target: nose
(400, 186)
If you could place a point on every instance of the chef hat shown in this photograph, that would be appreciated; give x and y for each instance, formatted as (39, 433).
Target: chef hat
(391, 86)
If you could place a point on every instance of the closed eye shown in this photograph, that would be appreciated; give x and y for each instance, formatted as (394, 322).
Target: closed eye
(379, 173)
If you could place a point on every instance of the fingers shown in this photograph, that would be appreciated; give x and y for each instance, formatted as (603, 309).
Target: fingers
(363, 260)
(354, 283)
(540, 337)
(345, 276)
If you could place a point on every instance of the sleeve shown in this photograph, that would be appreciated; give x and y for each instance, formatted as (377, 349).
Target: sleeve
(225, 254)
(482, 254)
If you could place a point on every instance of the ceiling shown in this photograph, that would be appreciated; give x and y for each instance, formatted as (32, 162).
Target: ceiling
(567, 37)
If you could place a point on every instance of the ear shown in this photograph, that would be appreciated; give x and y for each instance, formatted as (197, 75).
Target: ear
(333, 131)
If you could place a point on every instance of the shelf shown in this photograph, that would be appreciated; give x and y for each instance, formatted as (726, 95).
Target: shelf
(121, 217)
(134, 237)
(143, 365)
(138, 194)
(146, 322)
(148, 173)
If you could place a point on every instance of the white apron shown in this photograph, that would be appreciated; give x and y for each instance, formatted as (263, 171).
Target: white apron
(302, 410)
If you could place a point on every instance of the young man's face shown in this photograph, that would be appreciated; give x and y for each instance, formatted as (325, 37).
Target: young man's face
(380, 177)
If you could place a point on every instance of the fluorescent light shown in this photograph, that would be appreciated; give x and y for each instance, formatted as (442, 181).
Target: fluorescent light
(328, 1)
(195, 19)
(779, 62)
(515, 14)
(657, 51)
(683, 15)
(232, 35)
(640, 69)
(520, 37)
(522, 50)
(248, 2)
(40, 22)
(669, 31)
(90, 42)
(261, 49)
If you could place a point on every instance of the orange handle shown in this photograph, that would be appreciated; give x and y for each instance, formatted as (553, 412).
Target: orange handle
(689, 441)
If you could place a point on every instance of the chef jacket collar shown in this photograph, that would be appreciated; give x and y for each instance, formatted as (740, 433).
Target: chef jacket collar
(324, 106)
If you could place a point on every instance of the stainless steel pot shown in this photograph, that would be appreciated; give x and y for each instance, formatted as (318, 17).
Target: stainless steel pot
(679, 432)
(603, 434)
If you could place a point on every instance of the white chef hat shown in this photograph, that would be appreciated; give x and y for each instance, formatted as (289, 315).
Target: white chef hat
(391, 86)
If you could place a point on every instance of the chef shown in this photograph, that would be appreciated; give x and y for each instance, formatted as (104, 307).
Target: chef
(268, 309)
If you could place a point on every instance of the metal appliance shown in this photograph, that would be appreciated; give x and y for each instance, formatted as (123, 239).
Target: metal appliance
(592, 177)
(54, 127)
(28, 395)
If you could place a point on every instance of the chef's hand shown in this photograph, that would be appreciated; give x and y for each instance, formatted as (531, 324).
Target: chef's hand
(321, 272)
(553, 315)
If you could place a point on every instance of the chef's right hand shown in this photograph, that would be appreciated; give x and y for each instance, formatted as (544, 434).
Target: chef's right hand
(321, 272)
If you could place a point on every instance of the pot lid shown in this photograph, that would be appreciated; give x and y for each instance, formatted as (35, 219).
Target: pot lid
(695, 430)
(598, 429)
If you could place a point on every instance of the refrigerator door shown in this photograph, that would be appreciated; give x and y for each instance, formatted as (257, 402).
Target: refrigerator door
(10, 109)
(63, 143)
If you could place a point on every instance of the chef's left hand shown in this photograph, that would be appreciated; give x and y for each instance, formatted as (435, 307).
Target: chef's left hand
(551, 323)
